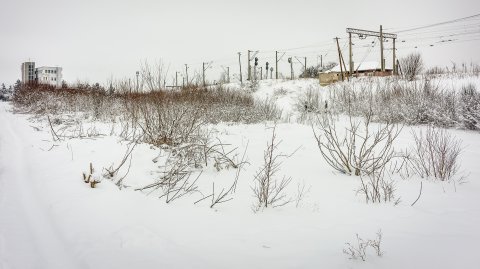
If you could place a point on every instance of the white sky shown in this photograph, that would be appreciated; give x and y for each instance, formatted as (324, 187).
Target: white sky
(94, 40)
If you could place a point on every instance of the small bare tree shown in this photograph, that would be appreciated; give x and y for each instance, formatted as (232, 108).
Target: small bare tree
(435, 154)
(376, 188)
(362, 149)
(154, 76)
(268, 189)
(359, 249)
(411, 66)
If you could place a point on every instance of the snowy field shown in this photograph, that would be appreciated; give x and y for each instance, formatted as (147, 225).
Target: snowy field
(49, 218)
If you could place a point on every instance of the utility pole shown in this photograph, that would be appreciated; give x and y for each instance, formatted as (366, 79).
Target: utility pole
(382, 61)
(176, 79)
(186, 74)
(249, 67)
(240, 64)
(350, 54)
(228, 74)
(321, 61)
(203, 73)
(394, 58)
(266, 70)
(261, 72)
(304, 64)
(291, 67)
(381, 35)
(137, 73)
(305, 70)
(276, 64)
(340, 58)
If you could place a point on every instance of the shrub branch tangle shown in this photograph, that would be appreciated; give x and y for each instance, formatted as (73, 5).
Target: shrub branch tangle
(268, 189)
(361, 149)
(435, 154)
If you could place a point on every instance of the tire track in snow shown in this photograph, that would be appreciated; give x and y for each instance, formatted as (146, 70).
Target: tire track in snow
(28, 239)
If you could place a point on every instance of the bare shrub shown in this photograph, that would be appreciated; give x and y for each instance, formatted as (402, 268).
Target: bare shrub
(170, 124)
(376, 188)
(358, 250)
(435, 154)
(411, 66)
(310, 101)
(268, 189)
(470, 107)
(176, 180)
(420, 102)
(153, 76)
(362, 149)
(302, 192)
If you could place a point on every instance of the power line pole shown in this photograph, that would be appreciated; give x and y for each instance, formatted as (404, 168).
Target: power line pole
(176, 79)
(291, 67)
(249, 67)
(350, 53)
(203, 73)
(276, 64)
(382, 62)
(137, 73)
(240, 64)
(228, 74)
(394, 58)
(305, 70)
(186, 74)
(340, 58)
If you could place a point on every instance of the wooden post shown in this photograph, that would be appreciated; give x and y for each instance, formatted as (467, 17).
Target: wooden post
(276, 64)
(291, 68)
(350, 56)
(249, 67)
(382, 62)
(186, 74)
(394, 58)
(228, 74)
(240, 64)
(305, 69)
(340, 59)
(203, 73)
(176, 79)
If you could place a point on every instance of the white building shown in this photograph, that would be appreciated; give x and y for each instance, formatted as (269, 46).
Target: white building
(45, 74)
(28, 72)
(49, 75)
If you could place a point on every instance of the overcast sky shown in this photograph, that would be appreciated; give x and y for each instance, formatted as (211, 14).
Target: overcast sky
(94, 40)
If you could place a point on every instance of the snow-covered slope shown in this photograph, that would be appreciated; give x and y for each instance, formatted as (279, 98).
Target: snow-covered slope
(49, 218)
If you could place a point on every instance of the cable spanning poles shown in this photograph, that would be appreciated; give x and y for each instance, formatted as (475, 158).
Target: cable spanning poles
(381, 35)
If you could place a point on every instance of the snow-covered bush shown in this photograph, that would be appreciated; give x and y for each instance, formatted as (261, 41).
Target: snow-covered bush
(310, 101)
(418, 102)
(470, 107)
(359, 148)
(411, 66)
(5, 93)
(358, 250)
(268, 189)
(376, 188)
(435, 154)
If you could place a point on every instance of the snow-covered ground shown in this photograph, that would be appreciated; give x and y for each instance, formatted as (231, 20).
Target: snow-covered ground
(49, 218)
